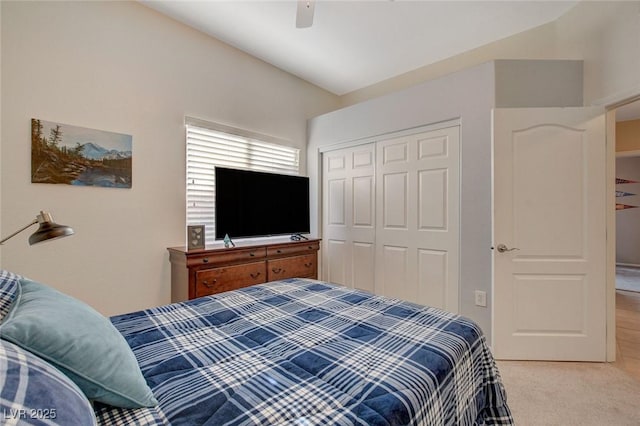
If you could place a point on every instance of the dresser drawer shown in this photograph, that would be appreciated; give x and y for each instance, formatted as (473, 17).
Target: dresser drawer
(228, 256)
(291, 267)
(217, 280)
(296, 248)
(197, 273)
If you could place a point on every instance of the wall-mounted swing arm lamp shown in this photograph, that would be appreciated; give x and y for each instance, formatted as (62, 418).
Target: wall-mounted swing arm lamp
(47, 230)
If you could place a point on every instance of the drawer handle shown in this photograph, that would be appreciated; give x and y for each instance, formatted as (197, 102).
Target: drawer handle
(205, 260)
(277, 270)
(308, 265)
(310, 247)
(278, 251)
(206, 283)
(255, 275)
(252, 254)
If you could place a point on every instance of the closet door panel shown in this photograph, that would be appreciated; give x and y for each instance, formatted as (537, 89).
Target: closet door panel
(417, 233)
(395, 201)
(349, 216)
(363, 201)
(395, 269)
(364, 256)
(432, 276)
(335, 261)
(336, 202)
(432, 204)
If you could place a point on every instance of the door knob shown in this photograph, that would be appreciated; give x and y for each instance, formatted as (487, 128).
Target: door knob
(502, 248)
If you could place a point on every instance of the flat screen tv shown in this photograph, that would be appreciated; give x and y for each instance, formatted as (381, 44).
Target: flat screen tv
(258, 204)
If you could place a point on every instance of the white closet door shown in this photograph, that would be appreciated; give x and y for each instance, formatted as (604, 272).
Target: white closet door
(417, 229)
(349, 216)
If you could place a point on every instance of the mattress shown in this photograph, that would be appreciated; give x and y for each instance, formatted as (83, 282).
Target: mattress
(302, 351)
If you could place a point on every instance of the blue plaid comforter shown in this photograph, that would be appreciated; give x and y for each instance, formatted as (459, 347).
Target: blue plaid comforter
(307, 352)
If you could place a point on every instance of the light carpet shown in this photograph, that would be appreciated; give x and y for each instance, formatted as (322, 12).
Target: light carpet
(628, 278)
(570, 393)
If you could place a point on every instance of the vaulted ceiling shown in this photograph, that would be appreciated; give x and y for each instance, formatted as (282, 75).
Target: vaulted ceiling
(354, 44)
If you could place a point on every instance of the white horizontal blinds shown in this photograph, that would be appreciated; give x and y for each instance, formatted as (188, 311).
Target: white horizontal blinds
(208, 148)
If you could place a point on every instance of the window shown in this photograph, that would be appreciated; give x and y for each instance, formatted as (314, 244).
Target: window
(210, 145)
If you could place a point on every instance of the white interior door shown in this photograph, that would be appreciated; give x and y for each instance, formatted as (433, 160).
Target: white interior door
(417, 231)
(549, 231)
(349, 216)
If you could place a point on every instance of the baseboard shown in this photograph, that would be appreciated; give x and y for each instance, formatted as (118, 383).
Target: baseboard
(629, 265)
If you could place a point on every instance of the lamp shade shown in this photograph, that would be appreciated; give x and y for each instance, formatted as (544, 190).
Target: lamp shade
(48, 230)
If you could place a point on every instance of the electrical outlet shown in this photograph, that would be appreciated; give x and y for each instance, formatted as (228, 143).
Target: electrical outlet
(481, 298)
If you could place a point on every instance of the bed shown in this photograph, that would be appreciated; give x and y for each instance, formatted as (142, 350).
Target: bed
(302, 351)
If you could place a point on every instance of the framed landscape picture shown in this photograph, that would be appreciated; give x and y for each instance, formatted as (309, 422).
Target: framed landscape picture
(62, 153)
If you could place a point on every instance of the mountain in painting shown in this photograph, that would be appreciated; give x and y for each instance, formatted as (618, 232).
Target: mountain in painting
(94, 151)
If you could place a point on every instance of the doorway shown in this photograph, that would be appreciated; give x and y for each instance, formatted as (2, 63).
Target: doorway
(627, 219)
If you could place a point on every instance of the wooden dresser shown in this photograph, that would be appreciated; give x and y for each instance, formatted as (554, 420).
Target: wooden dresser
(196, 273)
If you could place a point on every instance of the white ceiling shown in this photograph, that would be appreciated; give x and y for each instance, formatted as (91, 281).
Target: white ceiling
(354, 44)
(629, 111)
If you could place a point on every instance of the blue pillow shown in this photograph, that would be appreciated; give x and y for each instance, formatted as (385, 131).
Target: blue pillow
(8, 291)
(34, 392)
(80, 342)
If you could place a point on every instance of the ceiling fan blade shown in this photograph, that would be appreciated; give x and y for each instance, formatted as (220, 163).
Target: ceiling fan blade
(304, 14)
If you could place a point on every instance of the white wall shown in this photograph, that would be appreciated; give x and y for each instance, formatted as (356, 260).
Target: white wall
(467, 95)
(537, 43)
(606, 35)
(122, 67)
(541, 83)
